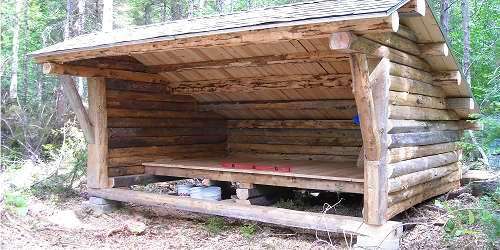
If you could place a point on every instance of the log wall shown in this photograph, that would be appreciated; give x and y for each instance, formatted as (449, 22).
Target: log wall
(321, 140)
(145, 123)
(423, 158)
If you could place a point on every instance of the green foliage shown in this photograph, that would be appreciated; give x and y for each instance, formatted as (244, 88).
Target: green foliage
(16, 202)
(248, 230)
(68, 163)
(215, 225)
(481, 218)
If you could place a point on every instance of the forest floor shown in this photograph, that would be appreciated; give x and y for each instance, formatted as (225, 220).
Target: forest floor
(53, 223)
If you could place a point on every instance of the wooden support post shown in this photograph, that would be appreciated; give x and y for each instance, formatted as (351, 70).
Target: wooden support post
(97, 163)
(76, 104)
(371, 94)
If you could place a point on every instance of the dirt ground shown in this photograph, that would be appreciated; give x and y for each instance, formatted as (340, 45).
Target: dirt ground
(69, 224)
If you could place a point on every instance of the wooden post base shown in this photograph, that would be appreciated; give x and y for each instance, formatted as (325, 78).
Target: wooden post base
(382, 240)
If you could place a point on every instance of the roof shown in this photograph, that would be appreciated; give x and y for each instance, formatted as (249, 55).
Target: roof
(287, 15)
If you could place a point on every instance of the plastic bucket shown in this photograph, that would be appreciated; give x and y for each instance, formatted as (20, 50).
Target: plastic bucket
(184, 189)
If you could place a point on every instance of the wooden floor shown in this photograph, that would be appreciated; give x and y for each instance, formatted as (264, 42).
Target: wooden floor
(331, 176)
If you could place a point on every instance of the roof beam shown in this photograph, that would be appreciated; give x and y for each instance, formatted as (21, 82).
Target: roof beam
(236, 38)
(261, 83)
(84, 71)
(317, 56)
(413, 8)
(347, 42)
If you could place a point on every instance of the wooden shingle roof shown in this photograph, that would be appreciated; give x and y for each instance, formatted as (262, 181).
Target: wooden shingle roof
(288, 15)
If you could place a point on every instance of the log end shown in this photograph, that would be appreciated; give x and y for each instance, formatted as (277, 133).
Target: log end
(341, 40)
(48, 68)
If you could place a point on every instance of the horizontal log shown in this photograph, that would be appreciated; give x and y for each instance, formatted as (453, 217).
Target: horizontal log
(313, 133)
(280, 216)
(410, 126)
(290, 124)
(284, 140)
(404, 205)
(461, 103)
(347, 42)
(412, 152)
(150, 105)
(423, 138)
(258, 61)
(407, 33)
(236, 37)
(261, 83)
(84, 71)
(138, 160)
(410, 73)
(443, 78)
(415, 87)
(318, 182)
(130, 113)
(434, 49)
(139, 86)
(415, 100)
(414, 8)
(331, 105)
(405, 181)
(464, 107)
(349, 159)
(124, 142)
(142, 96)
(395, 41)
(293, 149)
(293, 114)
(422, 163)
(126, 170)
(160, 132)
(137, 179)
(418, 113)
(122, 62)
(163, 150)
(163, 123)
(411, 192)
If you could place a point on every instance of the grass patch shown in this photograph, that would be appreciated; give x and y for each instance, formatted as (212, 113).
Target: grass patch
(215, 225)
(248, 230)
(17, 203)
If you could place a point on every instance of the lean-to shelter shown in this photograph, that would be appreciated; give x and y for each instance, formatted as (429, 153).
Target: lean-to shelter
(343, 96)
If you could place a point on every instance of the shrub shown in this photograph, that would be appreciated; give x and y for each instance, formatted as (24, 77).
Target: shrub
(481, 217)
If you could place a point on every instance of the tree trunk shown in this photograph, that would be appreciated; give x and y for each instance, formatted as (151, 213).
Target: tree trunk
(466, 26)
(80, 30)
(445, 17)
(26, 58)
(68, 21)
(15, 51)
(175, 10)
(107, 16)
(219, 6)
(190, 12)
(164, 11)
